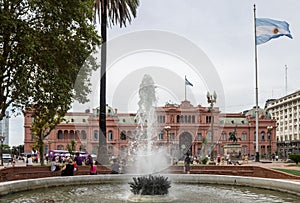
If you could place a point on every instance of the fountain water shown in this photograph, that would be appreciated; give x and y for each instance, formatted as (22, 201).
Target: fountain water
(148, 158)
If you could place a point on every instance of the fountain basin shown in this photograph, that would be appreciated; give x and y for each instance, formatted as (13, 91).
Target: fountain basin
(178, 182)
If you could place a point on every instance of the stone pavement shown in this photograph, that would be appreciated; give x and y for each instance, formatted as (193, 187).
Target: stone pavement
(273, 164)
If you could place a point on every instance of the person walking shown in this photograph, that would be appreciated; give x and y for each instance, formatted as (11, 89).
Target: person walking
(187, 164)
(29, 160)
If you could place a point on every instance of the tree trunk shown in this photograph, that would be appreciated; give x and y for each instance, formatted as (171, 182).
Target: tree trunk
(41, 148)
(102, 150)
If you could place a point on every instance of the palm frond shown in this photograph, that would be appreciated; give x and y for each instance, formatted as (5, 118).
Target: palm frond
(118, 11)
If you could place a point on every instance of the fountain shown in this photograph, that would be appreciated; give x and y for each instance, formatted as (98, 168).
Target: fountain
(148, 158)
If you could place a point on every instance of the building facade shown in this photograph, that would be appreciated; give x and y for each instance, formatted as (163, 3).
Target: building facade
(179, 127)
(286, 111)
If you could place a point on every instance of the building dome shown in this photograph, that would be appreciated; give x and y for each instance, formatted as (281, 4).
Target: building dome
(109, 111)
(261, 113)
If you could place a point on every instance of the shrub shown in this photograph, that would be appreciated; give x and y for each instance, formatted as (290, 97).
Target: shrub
(295, 158)
(204, 160)
(151, 185)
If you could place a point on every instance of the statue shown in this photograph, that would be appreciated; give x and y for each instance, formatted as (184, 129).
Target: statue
(233, 137)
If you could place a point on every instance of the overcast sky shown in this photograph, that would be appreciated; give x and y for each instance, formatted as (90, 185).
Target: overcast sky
(224, 31)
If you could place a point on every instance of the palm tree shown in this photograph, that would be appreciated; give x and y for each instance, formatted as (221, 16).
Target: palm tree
(109, 12)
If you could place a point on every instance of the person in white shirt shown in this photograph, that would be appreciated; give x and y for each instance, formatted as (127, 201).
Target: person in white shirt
(29, 160)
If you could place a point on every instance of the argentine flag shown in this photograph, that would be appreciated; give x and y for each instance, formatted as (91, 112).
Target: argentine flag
(188, 82)
(267, 29)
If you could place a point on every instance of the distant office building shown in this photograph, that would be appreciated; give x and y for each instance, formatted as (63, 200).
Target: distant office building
(286, 111)
(4, 128)
(179, 127)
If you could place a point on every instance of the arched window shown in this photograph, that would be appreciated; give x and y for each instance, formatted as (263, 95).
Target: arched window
(189, 119)
(72, 135)
(209, 136)
(110, 135)
(193, 119)
(244, 136)
(199, 137)
(172, 136)
(161, 135)
(77, 133)
(83, 135)
(262, 135)
(224, 136)
(60, 135)
(66, 133)
(269, 136)
(96, 134)
(123, 135)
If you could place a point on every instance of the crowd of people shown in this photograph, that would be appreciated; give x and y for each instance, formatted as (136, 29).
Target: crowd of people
(68, 166)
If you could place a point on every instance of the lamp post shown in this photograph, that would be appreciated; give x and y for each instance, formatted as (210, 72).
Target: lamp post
(211, 99)
(269, 134)
(2, 138)
(167, 129)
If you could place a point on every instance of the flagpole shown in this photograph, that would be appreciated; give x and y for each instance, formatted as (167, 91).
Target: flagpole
(185, 88)
(256, 92)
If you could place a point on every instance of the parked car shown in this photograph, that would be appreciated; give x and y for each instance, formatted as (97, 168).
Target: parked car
(6, 158)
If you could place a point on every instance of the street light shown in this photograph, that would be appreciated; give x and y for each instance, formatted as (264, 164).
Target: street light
(2, 138)
(211, 99)
(167, 129)
(269, 134)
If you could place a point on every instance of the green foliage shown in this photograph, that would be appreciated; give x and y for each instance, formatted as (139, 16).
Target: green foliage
(71, 147)
(46, 48)
(204, 140)
(151, 185)
(295, 158)
(204, 160)
(290, 171)
(119, 12)
(6, 149)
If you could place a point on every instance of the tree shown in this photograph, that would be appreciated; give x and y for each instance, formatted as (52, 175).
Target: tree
(16, 51)
(295, 158)
(110, 12)
(45, 47)
(71, 147)
(66, 39)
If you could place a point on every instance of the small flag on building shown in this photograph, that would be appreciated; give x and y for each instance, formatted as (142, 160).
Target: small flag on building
(267, 29)
(188, 82)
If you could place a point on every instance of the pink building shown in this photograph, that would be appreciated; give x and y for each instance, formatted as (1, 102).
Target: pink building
(179, 127)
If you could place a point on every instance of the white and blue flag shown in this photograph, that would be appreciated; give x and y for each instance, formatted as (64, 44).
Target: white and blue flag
(267, 29)
(188, 82)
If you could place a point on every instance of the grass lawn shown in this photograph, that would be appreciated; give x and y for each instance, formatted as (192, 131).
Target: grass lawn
(290, 171)
(297, 165)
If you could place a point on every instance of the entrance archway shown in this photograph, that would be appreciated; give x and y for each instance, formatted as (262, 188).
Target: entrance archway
(185, 144)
